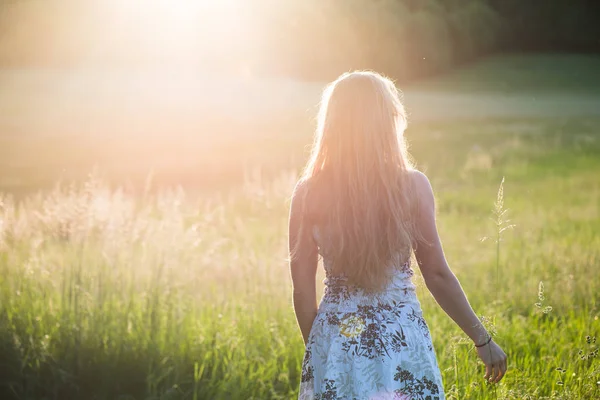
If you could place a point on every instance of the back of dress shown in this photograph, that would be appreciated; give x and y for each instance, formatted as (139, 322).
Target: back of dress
(339, 295)
(369, 345)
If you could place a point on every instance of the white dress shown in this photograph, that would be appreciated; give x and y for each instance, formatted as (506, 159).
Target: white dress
(370, 347)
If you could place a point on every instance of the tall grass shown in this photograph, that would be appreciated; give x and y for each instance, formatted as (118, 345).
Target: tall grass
(105, 295)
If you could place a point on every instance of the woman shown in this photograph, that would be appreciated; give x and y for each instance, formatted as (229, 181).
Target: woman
(362, 207)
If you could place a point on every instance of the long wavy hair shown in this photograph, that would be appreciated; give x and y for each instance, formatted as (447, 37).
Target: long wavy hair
(359, 169)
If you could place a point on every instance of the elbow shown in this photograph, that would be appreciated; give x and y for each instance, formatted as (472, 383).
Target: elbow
(438, 278)
(303, 284)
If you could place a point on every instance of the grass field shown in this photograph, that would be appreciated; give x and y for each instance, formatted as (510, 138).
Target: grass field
(185, 293)
(206, 131)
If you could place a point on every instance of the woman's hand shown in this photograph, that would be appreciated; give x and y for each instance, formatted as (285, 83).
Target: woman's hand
(494, 359)
(443, 284)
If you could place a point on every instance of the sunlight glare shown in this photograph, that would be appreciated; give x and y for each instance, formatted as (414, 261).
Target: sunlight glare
(181, 29)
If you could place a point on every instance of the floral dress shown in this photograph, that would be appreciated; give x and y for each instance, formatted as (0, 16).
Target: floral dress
(370, 347)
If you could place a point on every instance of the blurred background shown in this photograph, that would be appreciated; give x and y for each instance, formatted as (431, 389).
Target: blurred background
(148, 151)
(110, 84)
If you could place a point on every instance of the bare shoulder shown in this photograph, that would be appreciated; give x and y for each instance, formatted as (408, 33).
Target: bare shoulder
(300, 190)
(299, 196)
(421, 183)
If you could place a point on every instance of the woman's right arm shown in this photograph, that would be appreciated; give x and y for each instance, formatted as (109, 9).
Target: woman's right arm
(443, 284)
(303, 263)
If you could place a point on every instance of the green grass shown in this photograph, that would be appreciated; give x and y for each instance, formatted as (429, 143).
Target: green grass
(107, 296)
(60, 124)
(147, 292)
(523, 74)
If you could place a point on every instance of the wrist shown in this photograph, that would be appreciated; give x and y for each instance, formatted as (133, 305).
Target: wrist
(479, 334)
(485, 342)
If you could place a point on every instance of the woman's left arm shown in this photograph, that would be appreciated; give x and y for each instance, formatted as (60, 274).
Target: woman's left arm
(303, 256)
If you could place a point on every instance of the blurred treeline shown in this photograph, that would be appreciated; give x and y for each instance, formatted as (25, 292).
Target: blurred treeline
(415, 38)
(306, 39)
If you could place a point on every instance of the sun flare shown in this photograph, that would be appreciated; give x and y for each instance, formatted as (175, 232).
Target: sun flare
(181, 21)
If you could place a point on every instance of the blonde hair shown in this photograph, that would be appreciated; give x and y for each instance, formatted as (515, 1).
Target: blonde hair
(360, 160)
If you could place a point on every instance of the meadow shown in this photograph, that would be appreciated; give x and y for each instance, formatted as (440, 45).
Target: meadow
(173, 292)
